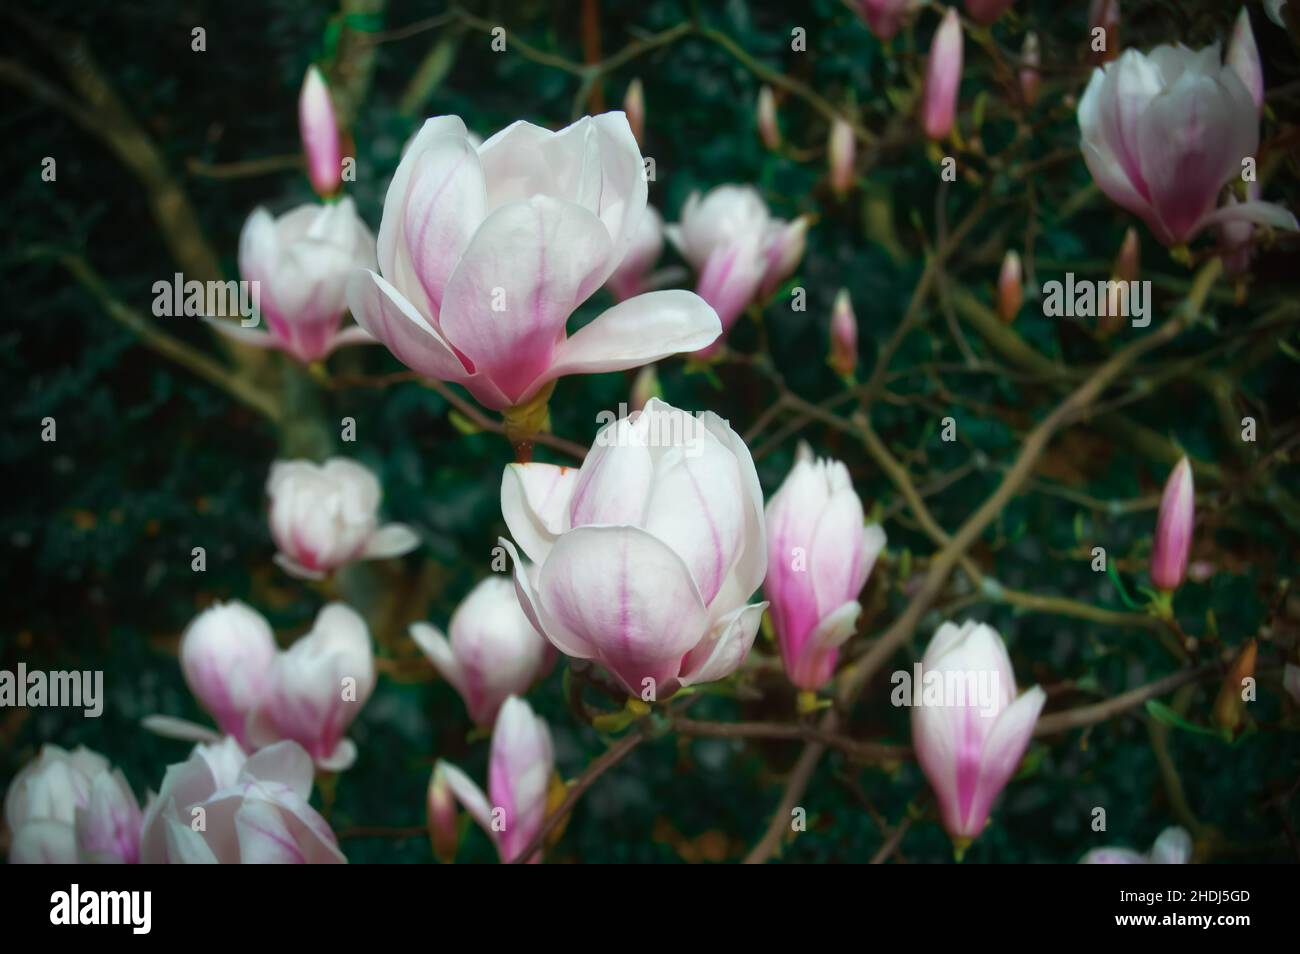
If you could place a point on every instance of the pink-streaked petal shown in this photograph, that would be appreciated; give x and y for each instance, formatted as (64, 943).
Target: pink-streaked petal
(535, 504)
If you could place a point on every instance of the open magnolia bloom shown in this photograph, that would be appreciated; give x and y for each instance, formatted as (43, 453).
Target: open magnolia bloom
(1172, 847)
(485, 252)
(254, 810)
(643, 558)
(325, 516)
(72, 808)
(1164, 132)
(301, 262)
(520, 769)
(970, 739)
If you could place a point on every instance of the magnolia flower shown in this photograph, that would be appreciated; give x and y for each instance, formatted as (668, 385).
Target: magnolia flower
(942, 78)
(769, 131)
(325, 516)
(72, 808)
(885, 17)
(227, 653)
(844, 335)
(1172, 847)
(819, 556)
(485, 252)
(986, 11)
(1174, 522)
(1164, 132)
(1011, 290)
(644, 557)
(300, 262)
(222, 807)
(519, 779)
(317, 687)
(970, 745)
(494, 652)
(840, 152)
(320, 134)
(631, 278)
(737, 249)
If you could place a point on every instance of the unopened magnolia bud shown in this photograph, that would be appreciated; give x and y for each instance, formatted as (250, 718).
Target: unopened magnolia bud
(634, 107)
(1243, 57)
(768, 130)
(841, 151)
(1011, 291)
(1230, 706)
(320, 134)
(1104, 15)
(1128, 263)
(645, 387)
(1173, 539)
(442, 817)
(942, 78)
(1030, 81)
(844, 335)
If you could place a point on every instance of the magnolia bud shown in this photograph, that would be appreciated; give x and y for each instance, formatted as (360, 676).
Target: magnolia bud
(1011, 292)
(841, 153)
(634, 107)
(1230, 707)
(443, 834)
(1030, 81)
(644, 387)
(768, 130)
(1173, 539)
(942, 78)
(1128, 262)
(844, 335)
(1104, 14)
(1243, 57)
(320, 134)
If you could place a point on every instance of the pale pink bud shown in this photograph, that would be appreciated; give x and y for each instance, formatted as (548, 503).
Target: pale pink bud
(1173, 540)
(520, 767)
(325, 516)
(72, 808)
(300, 263)
(943, 78)
(634, 108)
(1128, 263)
(254, 810)
(443, 830)
(885, 17)
(493, 652)
(1030, 80)
(675, 538)
(1011, 289)
(1163, 133)
(1243, 57)
(644, 387)
(320, 134)
(840, 154)
(986, 11)
(970, 744)
(483, 259)
(844, 335)
(317, 687)
(768, 129)
(819, 555)
(226, 656)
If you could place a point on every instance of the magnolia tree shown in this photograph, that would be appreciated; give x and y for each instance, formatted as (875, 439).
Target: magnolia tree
(892, 444)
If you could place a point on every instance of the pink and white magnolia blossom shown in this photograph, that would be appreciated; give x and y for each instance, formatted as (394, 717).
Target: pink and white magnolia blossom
(738, 250)
(72, 808)
(227, 653)
(969, 747)
(520, 768)
(255, 810)
(819, 555)
(1164, 132)
(325, 516)
(485, 252)
(301, 262)
(494, 651)
(643, 559)
(1172, 847)
(317, 687)
(631, 278)
(320, 134)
